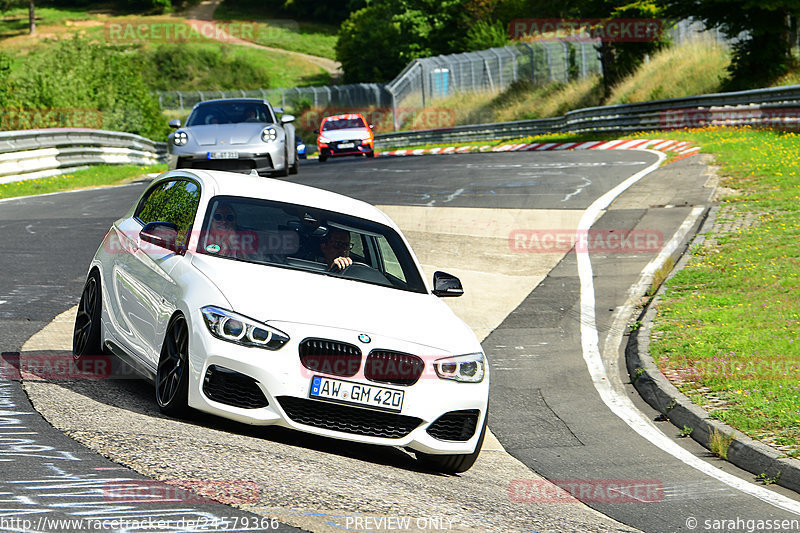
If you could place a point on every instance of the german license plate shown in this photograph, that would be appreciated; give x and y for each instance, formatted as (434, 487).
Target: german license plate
(347, 145)
(223, 155)
(340, 391)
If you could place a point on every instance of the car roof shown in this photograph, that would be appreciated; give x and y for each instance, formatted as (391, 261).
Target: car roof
(229, 100)
(221, 183)
(344, 116)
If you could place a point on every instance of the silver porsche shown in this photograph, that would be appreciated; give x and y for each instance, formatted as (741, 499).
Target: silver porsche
(239, 135)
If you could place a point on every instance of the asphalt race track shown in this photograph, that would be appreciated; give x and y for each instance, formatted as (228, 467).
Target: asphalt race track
(496, 220)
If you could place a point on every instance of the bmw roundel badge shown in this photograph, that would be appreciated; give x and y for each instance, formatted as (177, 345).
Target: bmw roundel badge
(364, 338)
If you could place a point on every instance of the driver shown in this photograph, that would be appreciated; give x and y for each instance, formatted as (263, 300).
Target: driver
(335, 248)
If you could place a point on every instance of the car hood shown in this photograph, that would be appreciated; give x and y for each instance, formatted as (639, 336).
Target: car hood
(347, 135)
(228, 134)
(275, 294)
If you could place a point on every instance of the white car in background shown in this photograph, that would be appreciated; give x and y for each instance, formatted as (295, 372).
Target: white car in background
(236, 134)
(217, 287)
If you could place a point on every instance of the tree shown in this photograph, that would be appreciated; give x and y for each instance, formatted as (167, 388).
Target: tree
(5, 5)
(764, 51)
(617, 57)
(377, 42)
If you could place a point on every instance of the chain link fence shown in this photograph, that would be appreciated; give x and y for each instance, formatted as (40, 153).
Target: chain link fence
(493, 70)
(355, 96)
(425, 80)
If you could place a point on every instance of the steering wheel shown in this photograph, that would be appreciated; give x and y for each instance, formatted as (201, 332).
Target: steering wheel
(349, 268)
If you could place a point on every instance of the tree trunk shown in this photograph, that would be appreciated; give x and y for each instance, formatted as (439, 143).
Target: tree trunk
(31, 18)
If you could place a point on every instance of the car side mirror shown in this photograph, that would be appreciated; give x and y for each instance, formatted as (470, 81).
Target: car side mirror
(446, 285)
(372, 126)
(163, 234)
(316, 132)
(285, 119)
(175, 123)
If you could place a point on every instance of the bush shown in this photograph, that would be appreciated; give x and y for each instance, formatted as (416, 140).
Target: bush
(178, 66)
(78, 75)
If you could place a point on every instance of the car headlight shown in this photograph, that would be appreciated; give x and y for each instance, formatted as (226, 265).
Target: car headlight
(269, 135)
(324, 140)
(233, 327)
(468, 368)
(180, 138)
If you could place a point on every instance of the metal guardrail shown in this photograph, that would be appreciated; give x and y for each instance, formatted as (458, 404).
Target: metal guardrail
(777, 107)
(37, 153)
(34, 154)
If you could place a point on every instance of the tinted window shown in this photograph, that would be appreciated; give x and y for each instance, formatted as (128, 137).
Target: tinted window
(234, 112)
(173, 201)
(303, 238)
(343, 124)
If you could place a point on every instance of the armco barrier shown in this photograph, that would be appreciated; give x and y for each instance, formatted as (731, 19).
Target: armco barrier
(33, 154)
(777, 108)
(36, 153)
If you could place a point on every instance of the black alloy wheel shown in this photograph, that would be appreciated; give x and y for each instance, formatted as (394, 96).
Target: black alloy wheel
(86, 335)
(172, 376)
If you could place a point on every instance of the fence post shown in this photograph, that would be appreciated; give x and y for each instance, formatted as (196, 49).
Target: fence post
(549, 62)
(180, 99)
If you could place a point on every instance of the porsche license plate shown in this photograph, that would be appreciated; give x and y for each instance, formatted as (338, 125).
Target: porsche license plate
(356, 394)
(346, 145)
(223, 155)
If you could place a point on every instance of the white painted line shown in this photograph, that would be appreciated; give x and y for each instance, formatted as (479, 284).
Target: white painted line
(3, 302)
(620, 404)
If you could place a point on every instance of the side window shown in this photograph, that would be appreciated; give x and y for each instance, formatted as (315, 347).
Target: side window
(172, 201)
(390, 262)
(150, 208)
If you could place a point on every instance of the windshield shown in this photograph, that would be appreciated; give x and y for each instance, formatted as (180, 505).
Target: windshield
(230, 113)
(307, 239)
(343, 124)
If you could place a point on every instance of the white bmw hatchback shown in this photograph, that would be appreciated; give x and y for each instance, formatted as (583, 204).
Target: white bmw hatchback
(268, 302)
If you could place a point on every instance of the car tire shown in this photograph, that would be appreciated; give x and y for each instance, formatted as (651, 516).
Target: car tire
(285, 170)
(86, 334)
(322, 157)
(371, 154)
(452, 463)
(296, 165)
(172, 376)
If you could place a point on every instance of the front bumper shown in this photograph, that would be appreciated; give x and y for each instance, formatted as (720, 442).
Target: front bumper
(263, 162)
(335, 149)
(274, 388)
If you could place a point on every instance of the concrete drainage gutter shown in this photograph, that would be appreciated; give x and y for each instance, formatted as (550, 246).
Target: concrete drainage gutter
(744, 452)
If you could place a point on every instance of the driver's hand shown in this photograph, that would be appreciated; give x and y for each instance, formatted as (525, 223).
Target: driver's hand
(341, 263)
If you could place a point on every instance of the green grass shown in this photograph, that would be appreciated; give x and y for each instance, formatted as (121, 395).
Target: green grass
(307, 37)
(81, 179)
(729, 323)
(15, 21)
